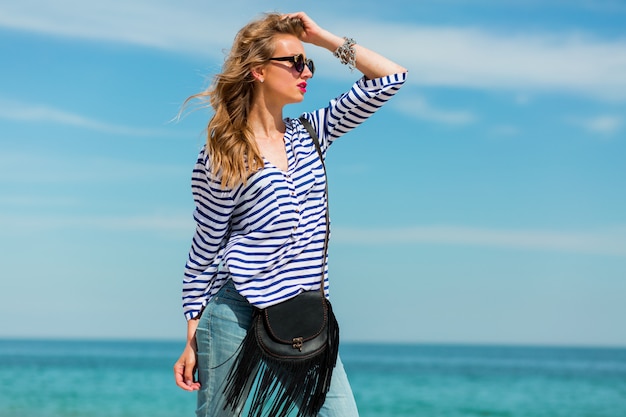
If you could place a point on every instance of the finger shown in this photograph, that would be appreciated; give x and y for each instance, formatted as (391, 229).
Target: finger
(190, 373)
(179, 370)
(298, 15)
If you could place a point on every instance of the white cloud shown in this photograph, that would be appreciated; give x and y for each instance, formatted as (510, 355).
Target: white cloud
(419, 107)
(30, 167)
(607, 243)
(480, 58)
(183, 26)
(172, 225)
(27, 112)
(605, 124)
(466, 57)
(37, 201)
(180, 225)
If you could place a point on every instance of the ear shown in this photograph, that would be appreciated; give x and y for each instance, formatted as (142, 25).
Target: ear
(258, 73)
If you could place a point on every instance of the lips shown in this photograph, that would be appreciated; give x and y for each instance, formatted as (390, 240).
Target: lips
(302, 87)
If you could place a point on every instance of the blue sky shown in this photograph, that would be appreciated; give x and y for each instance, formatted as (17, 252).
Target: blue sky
(484, 204)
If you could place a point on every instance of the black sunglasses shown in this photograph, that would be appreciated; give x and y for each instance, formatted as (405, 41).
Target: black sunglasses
(299, 61)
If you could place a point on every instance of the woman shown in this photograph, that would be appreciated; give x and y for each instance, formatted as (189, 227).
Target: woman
(258, 185)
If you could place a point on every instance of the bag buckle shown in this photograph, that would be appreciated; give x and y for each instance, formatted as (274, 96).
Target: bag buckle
(296, 343)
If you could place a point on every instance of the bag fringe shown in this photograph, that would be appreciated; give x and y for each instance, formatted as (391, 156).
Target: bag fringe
(282, 385)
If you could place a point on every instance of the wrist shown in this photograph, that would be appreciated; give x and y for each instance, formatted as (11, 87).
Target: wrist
(346, 53)
(192, 325)
(329, 41)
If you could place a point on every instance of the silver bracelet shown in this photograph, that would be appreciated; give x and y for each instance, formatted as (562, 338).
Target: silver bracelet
(346, 53)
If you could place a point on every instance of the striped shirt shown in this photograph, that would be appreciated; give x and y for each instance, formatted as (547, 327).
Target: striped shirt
(268, 235)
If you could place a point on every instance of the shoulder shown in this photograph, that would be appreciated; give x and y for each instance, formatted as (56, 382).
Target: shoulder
(203, 176)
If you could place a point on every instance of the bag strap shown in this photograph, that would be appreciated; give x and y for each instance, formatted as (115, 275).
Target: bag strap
(307, 125)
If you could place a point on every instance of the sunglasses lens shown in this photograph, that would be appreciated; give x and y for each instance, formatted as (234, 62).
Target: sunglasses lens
(298, 63)
(311, 66)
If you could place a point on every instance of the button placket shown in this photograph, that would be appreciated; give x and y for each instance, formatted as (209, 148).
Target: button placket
(294, 201)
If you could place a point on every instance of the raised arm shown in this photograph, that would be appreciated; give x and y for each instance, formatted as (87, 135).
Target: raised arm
(370, 63)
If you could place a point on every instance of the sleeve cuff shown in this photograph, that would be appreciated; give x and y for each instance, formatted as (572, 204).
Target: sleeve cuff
(381, 82)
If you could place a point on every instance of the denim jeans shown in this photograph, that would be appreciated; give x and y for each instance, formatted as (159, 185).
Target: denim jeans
(221, 329)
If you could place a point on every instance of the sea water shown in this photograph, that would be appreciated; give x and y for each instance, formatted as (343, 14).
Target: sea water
(41, 378)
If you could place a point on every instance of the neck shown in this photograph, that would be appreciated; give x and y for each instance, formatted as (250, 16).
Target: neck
(265, 121)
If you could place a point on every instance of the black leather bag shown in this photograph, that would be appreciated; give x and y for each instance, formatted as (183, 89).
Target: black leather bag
(291, 348)
(295, 329)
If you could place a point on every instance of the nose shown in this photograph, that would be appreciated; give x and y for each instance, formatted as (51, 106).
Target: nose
(306, 73)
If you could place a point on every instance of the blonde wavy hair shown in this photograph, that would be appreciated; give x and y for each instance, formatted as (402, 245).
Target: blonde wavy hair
(231, 147)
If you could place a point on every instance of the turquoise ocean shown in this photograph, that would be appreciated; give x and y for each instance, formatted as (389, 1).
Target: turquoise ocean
(40, 378)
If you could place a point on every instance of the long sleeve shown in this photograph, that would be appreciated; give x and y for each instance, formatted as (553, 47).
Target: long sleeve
(352, 108)
(213, 210)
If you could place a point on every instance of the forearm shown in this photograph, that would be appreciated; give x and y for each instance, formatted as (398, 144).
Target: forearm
(374, 65)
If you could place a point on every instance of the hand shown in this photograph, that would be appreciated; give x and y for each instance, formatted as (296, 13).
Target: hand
(312, 32)
(185, 368)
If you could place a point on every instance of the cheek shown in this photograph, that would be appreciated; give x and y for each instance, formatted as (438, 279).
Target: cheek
(283, 86)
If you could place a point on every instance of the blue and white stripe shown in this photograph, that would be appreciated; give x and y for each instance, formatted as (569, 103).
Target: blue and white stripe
(268, 235)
